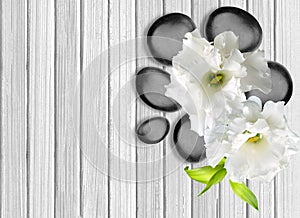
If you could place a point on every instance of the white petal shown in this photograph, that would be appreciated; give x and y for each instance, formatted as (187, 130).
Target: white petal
(273, 113)
(260, 126)
(197, 43)
(258, 73)
(237, 168)
(203, 48)
(216, 148)
(192, 63)
(226, 42)
(256, 100)
(189, 97)
(252, 110)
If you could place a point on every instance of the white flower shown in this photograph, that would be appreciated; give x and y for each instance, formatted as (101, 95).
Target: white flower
(209, 81)
(257, 143)
(258, 73)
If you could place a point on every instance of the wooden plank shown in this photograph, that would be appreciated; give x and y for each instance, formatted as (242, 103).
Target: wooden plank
(41, 108)
(67, 108)
(236, 3)
(122, 153)
(263, 11)
(287, 52)
(177, 183)
(208, 204)
(94, 102)
(14, 109)
(150, 162)
(200, 12)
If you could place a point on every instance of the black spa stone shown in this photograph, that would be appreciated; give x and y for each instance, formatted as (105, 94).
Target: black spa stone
(282, 85)
(243, 24)
(188, 143)
(150, 86)
(153, 130)
(165, 36)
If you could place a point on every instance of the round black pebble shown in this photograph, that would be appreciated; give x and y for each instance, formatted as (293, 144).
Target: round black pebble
(243, 24)
(150, 86)
(282, 85)
(188, 143)
(153, 130)
(166, 34)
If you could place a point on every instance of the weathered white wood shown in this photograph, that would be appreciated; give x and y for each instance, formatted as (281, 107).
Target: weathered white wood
(122, 148)
(287, 52)
(41, 108)
(94, 146)
(13, 109)
(181, 6)
(177, 183)
(150, 163)
(263, 11)
(46, 182)
(67, 108)
(200, 12)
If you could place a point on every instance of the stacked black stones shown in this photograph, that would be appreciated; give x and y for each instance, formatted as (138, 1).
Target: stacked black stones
(164, 40)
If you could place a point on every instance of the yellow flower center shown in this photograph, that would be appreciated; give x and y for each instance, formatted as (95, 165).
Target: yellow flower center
(255, 139)
(215, 79)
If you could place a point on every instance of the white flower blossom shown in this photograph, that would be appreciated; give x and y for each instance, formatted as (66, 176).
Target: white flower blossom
(257, 143)
(209, 80)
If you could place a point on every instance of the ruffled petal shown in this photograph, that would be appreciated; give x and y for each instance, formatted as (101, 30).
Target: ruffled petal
(274, 114)
(226, 42)
(192, 63)
(188, 95)
(258, 73)
(203, 48)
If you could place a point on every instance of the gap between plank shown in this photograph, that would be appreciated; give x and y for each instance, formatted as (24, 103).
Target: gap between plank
(27, 109)
(81, 26)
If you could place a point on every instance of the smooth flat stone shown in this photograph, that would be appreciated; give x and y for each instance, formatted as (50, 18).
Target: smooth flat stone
(153, 130)
(150, 86)
(165, 36)
(238, 21)
(282, 85)
(187, 142)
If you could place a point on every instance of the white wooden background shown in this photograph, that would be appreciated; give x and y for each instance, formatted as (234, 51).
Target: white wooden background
(57, 153)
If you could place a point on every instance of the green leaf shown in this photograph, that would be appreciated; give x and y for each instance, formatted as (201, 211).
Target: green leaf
(215, 179)
(222, 162)
(204, 174)
(241, 190)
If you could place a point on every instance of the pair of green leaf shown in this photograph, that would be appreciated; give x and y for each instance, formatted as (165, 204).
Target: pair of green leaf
(208, 175)
(213, 175)
(215, 179)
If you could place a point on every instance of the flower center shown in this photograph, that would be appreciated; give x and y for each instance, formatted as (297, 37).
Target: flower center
(255, 139)
(215, 79)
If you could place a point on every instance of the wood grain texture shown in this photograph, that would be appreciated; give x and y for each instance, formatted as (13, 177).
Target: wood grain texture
(287, 47)
(122, 147)
(67, 108)
(94, 80)
(69, 111)
(150, 162)
(41, 108)
(14, 99)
